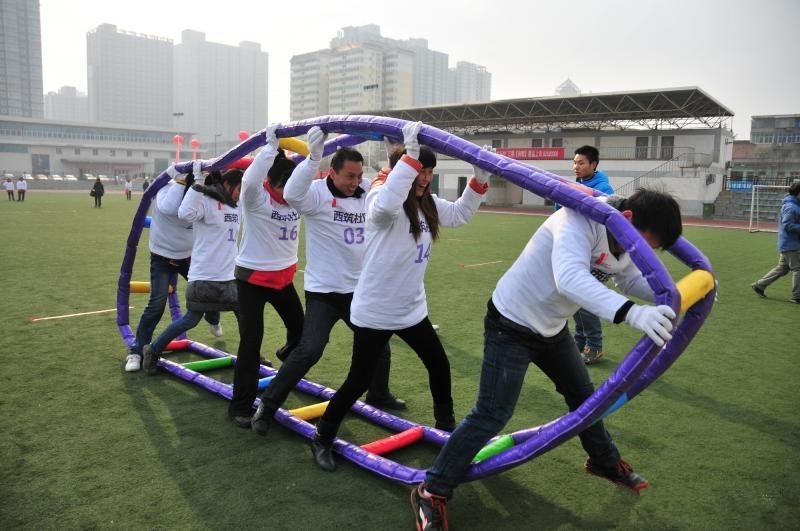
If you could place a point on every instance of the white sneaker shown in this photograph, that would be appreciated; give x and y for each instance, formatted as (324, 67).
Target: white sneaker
(133, 363)
(435, 327)
(216, 329)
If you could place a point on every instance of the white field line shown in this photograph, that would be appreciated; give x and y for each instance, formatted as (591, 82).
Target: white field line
(466, 266)
(37, 319)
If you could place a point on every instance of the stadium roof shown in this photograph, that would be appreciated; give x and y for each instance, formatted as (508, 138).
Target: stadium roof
(675, 108)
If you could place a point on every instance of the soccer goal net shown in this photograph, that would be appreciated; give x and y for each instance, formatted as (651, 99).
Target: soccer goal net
(765, 207)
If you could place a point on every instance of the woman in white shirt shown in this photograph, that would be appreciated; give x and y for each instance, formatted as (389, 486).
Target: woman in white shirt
(214, 215)
(403, 220)
(265, 267)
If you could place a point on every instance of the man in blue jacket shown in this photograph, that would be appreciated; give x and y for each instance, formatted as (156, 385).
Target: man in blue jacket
(588, 328)
(788, 246)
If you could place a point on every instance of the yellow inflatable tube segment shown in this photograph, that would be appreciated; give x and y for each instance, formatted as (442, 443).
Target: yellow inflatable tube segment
(694, 287)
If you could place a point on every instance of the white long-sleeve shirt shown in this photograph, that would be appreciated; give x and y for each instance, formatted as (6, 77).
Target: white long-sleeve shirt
(269, 239)
(390, 293)
(335, 233)
(170, 237)
(552, 277)
(216, 227)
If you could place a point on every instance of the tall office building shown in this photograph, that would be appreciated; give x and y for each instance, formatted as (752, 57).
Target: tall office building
(66, 105)
(309, 84)
(363, 70)
(129, 77)
(473, 83)
(20, 59)
(219, 89)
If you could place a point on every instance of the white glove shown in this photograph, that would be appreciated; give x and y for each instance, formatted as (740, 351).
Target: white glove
(481, 175)
(410, 133)
(316, 143)
(653, 321)
(270, 136)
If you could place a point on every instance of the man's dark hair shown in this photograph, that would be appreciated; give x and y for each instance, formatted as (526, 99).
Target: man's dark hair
(794, 189)
(344, 154)
(656, 212)
(281, 170)
(590, 152)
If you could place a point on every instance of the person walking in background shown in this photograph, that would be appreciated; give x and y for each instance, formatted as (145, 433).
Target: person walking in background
(97, 192)
(265, 267)
(211, 209)
(145, 184)
(403, 221)
(128, 188)
(9, 186)
(22, 187)
(588, 328)
(788, 246)
(526, 322)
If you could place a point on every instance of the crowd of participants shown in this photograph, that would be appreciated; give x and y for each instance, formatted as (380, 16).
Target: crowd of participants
(368, 244)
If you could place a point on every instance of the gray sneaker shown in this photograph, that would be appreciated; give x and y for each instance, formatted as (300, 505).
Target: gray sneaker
(591, 355)
(150, 360)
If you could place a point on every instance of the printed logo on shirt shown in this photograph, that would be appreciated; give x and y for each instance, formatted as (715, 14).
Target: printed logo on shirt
(291, 216)
(602, 276)
(356, 218)
(423, 225)
(230, 217)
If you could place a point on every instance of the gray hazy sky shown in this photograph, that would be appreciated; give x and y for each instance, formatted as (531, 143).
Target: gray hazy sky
(744, 53)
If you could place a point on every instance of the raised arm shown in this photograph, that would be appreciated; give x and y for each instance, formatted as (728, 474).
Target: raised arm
(254, 175)
(296, 191)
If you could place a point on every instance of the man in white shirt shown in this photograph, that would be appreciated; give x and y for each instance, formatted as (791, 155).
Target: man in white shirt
(526, 322)
(335, 215)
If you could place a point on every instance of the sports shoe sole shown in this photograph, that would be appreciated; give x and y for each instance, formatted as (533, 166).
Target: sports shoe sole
(636, 489)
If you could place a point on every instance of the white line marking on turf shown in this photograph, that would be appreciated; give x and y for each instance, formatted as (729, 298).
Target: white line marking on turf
(37, 319)
(482, 264)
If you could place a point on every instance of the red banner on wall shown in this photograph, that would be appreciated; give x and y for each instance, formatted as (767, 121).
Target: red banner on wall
(556, 153)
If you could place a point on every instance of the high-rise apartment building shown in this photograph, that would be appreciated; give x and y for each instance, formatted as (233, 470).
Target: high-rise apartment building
(309, 84)
(363, 70)
(220, 90)
(473, 83)
(20, 59)
(66, 105)
(129, 77)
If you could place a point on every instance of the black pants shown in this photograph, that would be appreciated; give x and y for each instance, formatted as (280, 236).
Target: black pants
(323, 310)
(252, 300)
(98, 200)
(421, 337)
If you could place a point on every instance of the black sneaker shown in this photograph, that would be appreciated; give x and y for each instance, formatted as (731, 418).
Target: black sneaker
(149, 359)
(323, 454)
(388, 401)
(621, 475)
(430, 510)
(260, 420)
(241, 421)
(759, 291)
(795, 301)
(283, 353)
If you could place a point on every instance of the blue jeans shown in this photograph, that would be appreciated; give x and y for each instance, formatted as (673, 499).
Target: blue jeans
(187, 322)
(588, 330)
(508, 350)
(323, 310)
(163, 273)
